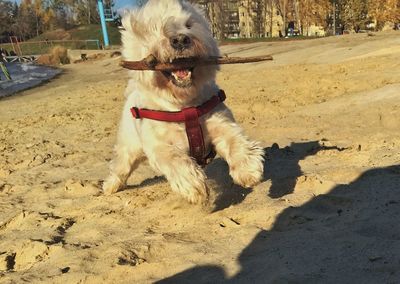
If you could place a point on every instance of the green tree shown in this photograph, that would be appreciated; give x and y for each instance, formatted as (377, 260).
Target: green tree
(7, 16)
(25, 23)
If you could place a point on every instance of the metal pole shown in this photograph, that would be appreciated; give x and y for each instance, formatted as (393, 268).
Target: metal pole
(3, 68)
(103, 22)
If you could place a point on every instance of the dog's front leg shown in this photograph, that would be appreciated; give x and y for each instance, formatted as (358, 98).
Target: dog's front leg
(125, 161)
(128, 154)
(184, 175)
(244, 157)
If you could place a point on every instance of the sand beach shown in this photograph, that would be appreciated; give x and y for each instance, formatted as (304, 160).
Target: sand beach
(327, 112)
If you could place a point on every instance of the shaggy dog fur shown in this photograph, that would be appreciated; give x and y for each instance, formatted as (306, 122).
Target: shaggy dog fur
(171, 29)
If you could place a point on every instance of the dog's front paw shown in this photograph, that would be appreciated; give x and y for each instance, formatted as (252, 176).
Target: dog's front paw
(246, 178)
(198, 195)
(190, 183)
(112, 185)
(248, 172)
(194, 193)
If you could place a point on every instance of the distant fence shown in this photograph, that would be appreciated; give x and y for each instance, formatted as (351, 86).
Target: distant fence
(28, 58)
(43, 47)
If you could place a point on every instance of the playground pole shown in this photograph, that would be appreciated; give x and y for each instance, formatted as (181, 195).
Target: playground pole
(5, 71)
(103, 22)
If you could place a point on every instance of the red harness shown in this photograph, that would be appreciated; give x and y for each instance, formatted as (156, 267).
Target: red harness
(191, 117)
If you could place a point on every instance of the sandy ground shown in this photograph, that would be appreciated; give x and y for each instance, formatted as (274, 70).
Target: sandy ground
(326, 111)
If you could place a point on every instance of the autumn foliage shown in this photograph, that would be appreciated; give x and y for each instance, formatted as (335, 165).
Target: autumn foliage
(31, 18)
(334, 16)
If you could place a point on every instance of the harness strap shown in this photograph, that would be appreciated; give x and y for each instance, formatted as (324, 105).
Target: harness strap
(191, 117)
(194, 134)
(178, 116)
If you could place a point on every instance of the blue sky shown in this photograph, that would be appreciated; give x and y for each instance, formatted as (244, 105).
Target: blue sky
(124, 3)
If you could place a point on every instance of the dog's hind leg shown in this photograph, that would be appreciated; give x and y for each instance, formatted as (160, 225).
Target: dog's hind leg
(184, 175)
(128, 154)
(244, 157)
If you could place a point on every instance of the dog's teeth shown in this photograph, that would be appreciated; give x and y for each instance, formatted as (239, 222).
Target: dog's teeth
(170, 60)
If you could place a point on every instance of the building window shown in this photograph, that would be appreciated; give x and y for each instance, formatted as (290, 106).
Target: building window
(243, 24)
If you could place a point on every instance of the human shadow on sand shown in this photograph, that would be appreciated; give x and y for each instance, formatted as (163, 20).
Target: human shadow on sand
(281, 166)
(350, 235)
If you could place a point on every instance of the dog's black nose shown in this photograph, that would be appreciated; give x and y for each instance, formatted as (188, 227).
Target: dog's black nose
(180, 42)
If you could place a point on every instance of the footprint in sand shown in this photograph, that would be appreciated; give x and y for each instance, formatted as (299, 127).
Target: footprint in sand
(82, 188)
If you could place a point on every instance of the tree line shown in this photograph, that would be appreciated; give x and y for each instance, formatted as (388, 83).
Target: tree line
(33, 17)
(333, 15)
(358, 14)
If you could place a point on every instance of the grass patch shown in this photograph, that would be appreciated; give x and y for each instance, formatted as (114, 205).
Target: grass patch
(6, 46)
(71, 39)
(95, 32)
(85, 32)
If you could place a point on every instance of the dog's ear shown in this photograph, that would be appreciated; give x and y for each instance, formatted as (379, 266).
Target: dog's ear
(131, 24)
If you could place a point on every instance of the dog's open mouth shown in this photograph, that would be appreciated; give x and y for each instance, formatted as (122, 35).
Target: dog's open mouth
(182, 76)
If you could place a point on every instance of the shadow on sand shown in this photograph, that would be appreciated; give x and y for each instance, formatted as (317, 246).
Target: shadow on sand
(350, 235)
(227, 192)
(281, 167)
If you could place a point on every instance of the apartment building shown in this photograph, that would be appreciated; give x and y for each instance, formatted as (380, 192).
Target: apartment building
(258, 19)
(251, 19)
(242, 18)
(223, 16)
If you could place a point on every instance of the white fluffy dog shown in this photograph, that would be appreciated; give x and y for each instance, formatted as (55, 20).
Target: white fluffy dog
(169, 30)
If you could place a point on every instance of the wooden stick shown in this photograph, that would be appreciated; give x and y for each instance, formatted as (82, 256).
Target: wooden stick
(151, 63)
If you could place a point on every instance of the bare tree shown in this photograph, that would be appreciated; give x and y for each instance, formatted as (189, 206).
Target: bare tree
(269, 10)
(296, 4)
(281, 6)
(217, 14)
(258, 17)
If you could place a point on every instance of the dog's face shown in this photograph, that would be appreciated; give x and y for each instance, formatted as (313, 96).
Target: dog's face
(169, 30)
